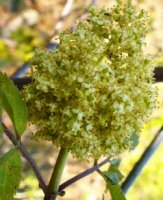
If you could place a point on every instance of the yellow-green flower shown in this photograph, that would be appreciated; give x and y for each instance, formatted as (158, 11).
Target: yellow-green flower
(93, 92)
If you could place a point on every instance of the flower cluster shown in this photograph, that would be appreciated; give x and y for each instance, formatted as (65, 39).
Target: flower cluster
(93, 92)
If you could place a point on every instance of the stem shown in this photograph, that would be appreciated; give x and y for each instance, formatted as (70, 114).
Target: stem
(82, 174)
(57, 173)
(26, 155)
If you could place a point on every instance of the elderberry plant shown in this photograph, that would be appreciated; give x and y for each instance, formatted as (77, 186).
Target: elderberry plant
(90, 97)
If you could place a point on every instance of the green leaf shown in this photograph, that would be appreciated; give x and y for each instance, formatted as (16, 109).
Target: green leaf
(116, 162)
(13, 104)
(113, 172)
(112, 177)
(10, 174)
(115, 191)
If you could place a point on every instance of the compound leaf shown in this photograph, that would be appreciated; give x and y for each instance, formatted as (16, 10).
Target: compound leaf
(10, 174)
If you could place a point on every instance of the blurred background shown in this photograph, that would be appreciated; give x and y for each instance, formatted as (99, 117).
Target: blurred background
(26, 25)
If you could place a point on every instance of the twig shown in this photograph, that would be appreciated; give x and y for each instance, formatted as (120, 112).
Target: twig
(26, 155)
(82, 175)
(98, 170)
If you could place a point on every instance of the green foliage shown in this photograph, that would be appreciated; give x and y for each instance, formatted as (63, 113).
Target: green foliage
(13, 104)
(10, 174)
(112, 177)
(96, 89)
(113, 174)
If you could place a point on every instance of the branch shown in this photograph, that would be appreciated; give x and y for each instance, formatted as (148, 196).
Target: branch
(82, 175)
(26, 155)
